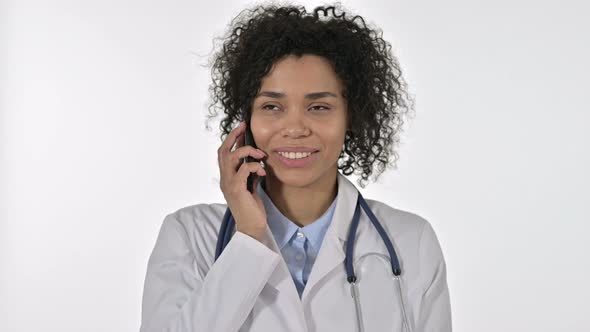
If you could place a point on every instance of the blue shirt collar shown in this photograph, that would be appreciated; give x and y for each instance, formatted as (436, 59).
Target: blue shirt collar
(283, 228)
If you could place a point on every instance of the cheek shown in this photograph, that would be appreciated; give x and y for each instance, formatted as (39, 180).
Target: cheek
(261, 132)
(332, 141)
(333, 134)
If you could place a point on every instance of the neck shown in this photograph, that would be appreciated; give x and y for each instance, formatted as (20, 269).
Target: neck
(303, 205)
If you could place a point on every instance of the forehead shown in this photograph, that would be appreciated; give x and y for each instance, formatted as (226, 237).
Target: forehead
(301, 75)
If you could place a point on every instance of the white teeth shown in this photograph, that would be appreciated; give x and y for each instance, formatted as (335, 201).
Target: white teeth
(295, 155)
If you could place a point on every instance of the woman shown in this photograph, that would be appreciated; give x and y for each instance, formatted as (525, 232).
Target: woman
(322, 93)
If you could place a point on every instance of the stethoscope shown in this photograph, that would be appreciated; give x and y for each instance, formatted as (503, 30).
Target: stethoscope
(229, 223)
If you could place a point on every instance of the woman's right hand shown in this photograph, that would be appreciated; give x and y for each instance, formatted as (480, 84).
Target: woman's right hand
(247, 208)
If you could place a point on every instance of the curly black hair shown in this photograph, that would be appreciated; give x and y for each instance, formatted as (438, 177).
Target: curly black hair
(375, 92)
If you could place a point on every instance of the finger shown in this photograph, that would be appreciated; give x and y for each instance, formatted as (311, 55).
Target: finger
(257, 180)
(230, 163)
(246, 152)
(235, 159)
(230, 140)
(239, 140)
(224, 150)
(245, 170)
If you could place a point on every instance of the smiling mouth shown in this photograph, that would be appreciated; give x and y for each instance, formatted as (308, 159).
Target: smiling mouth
(295, 155)
(297, 163)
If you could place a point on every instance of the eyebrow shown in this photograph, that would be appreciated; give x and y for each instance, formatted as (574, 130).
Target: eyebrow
(312, 95)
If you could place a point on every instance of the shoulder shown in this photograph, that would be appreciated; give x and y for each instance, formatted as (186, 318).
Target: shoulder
(197, 226)
(411, 230)
(396, 218)
(199, 215)
(416, 239)
(203, 218)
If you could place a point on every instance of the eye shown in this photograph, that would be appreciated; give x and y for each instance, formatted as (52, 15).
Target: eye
(266, 107)
(320, 106)
(270, 105)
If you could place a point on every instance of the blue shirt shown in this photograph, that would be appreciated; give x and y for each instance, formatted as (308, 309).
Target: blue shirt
(299, 245)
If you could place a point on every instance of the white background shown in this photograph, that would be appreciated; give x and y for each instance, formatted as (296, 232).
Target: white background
(102, 133)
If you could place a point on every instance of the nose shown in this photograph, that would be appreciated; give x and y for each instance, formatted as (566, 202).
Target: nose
(295, 125)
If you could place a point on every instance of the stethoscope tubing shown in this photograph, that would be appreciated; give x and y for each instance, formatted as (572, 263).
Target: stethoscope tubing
(228, 224)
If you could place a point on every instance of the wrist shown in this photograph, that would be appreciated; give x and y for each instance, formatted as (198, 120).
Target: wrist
(257, 234)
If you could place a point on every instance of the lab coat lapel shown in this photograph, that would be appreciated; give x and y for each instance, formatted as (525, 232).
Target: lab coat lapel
(331, 254)
(281, 278)
(281, 282)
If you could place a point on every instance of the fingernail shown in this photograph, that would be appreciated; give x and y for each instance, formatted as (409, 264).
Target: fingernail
(261, 152)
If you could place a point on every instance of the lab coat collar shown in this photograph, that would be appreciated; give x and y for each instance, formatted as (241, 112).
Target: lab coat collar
(331, 253)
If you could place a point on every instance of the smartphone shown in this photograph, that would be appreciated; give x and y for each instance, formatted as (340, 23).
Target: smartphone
(249, 140)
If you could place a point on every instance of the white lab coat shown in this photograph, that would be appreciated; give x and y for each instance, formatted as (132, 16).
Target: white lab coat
(249, 287)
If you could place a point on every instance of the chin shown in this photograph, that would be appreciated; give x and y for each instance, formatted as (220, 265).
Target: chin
(295, 178)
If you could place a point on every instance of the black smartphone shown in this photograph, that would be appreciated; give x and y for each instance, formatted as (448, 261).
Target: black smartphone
(249, 140)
